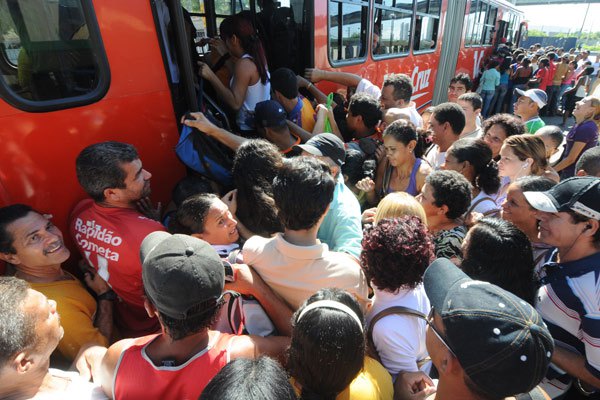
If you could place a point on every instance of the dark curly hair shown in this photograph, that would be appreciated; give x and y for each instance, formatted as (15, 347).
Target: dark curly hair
(396, 253)
(452, 189)
(367, 107)
(403, 87)
(509, 123)
(255, 165)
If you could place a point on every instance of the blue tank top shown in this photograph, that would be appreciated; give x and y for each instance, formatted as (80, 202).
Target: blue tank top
(412, 180)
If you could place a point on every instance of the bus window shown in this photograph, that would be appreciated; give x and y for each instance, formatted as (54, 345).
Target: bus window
(490, 25)
(471, 24)
(198, 15)
(52, 57)
(426, 24)
(393, 20)
(347, 30)
(477, 15)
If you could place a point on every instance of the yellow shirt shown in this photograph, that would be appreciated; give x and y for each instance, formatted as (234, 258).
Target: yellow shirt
(76, 308)
(372, 383)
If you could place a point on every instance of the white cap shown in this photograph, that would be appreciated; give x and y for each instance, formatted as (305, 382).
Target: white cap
(537, 95)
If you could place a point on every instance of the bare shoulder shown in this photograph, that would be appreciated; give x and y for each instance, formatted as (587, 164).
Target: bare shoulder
(109, 364)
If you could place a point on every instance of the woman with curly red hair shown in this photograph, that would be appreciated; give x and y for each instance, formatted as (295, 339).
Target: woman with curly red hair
(395, 254)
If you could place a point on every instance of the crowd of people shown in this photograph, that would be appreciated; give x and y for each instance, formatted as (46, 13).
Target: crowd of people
(366, 251)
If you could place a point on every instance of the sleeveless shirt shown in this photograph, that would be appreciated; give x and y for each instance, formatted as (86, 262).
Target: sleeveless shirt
(412, 181)
(136, 376)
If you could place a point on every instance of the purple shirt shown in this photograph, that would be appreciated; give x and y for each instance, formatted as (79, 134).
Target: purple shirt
(586, 132)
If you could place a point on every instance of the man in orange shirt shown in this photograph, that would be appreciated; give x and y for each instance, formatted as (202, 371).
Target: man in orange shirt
(34, 246)
(299, 110)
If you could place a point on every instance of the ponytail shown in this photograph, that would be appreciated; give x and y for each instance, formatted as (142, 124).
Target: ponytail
(488, 179)
(243, 28)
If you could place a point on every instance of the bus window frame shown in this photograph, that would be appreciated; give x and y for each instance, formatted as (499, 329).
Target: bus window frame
(380, 57)
(439, 17)
(492, 27)
(351, 61)
(104, 76)
(470, 28)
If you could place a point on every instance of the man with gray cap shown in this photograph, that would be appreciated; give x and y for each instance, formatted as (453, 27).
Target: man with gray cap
(569, 219)
(341, 229)
(184, 280)
(485, 342)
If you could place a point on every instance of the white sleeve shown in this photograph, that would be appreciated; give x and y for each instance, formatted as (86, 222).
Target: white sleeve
(365, 86)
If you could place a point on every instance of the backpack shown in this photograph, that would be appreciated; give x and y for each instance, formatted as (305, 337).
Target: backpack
(202, 154)
(243, 315)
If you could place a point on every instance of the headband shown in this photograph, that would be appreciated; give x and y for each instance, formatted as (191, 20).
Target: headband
(331, 304)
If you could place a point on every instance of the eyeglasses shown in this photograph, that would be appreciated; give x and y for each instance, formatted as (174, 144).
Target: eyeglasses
(429, 321)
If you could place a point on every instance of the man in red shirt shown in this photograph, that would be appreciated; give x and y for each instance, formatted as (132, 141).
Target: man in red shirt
(108, 229)
(542, 76)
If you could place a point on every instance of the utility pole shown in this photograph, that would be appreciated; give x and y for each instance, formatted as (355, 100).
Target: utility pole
(583, 23)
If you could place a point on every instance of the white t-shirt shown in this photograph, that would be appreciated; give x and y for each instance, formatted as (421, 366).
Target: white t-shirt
(411, 112)
(476, 134)
(366, 86)
(400, 339)
(435, 157)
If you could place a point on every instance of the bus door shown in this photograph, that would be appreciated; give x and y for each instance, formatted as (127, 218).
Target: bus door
(501, 33)
(283, 26)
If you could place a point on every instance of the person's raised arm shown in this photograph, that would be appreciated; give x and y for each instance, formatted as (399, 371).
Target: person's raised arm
(203, 124)
(242, 75)
(248, 282)
(343, 78)
(324, 114)
(304, 135)
(318, 95)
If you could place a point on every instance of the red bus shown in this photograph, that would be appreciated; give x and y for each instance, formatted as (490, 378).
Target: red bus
(76, 72)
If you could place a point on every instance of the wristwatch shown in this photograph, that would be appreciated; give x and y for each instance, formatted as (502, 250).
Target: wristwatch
(582, 390)
(109, 295)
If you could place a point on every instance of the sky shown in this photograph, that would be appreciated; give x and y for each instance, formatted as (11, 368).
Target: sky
(566, 17)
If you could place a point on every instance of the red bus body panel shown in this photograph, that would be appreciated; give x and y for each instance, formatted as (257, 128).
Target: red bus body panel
(38, 151)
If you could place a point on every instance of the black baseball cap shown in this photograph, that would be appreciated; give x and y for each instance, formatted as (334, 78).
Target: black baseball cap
(179, 273)
(269, 113)
(579, 194)
(500, 340)
(325, 145)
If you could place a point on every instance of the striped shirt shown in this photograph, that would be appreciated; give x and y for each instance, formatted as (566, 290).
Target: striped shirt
(569, 302)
